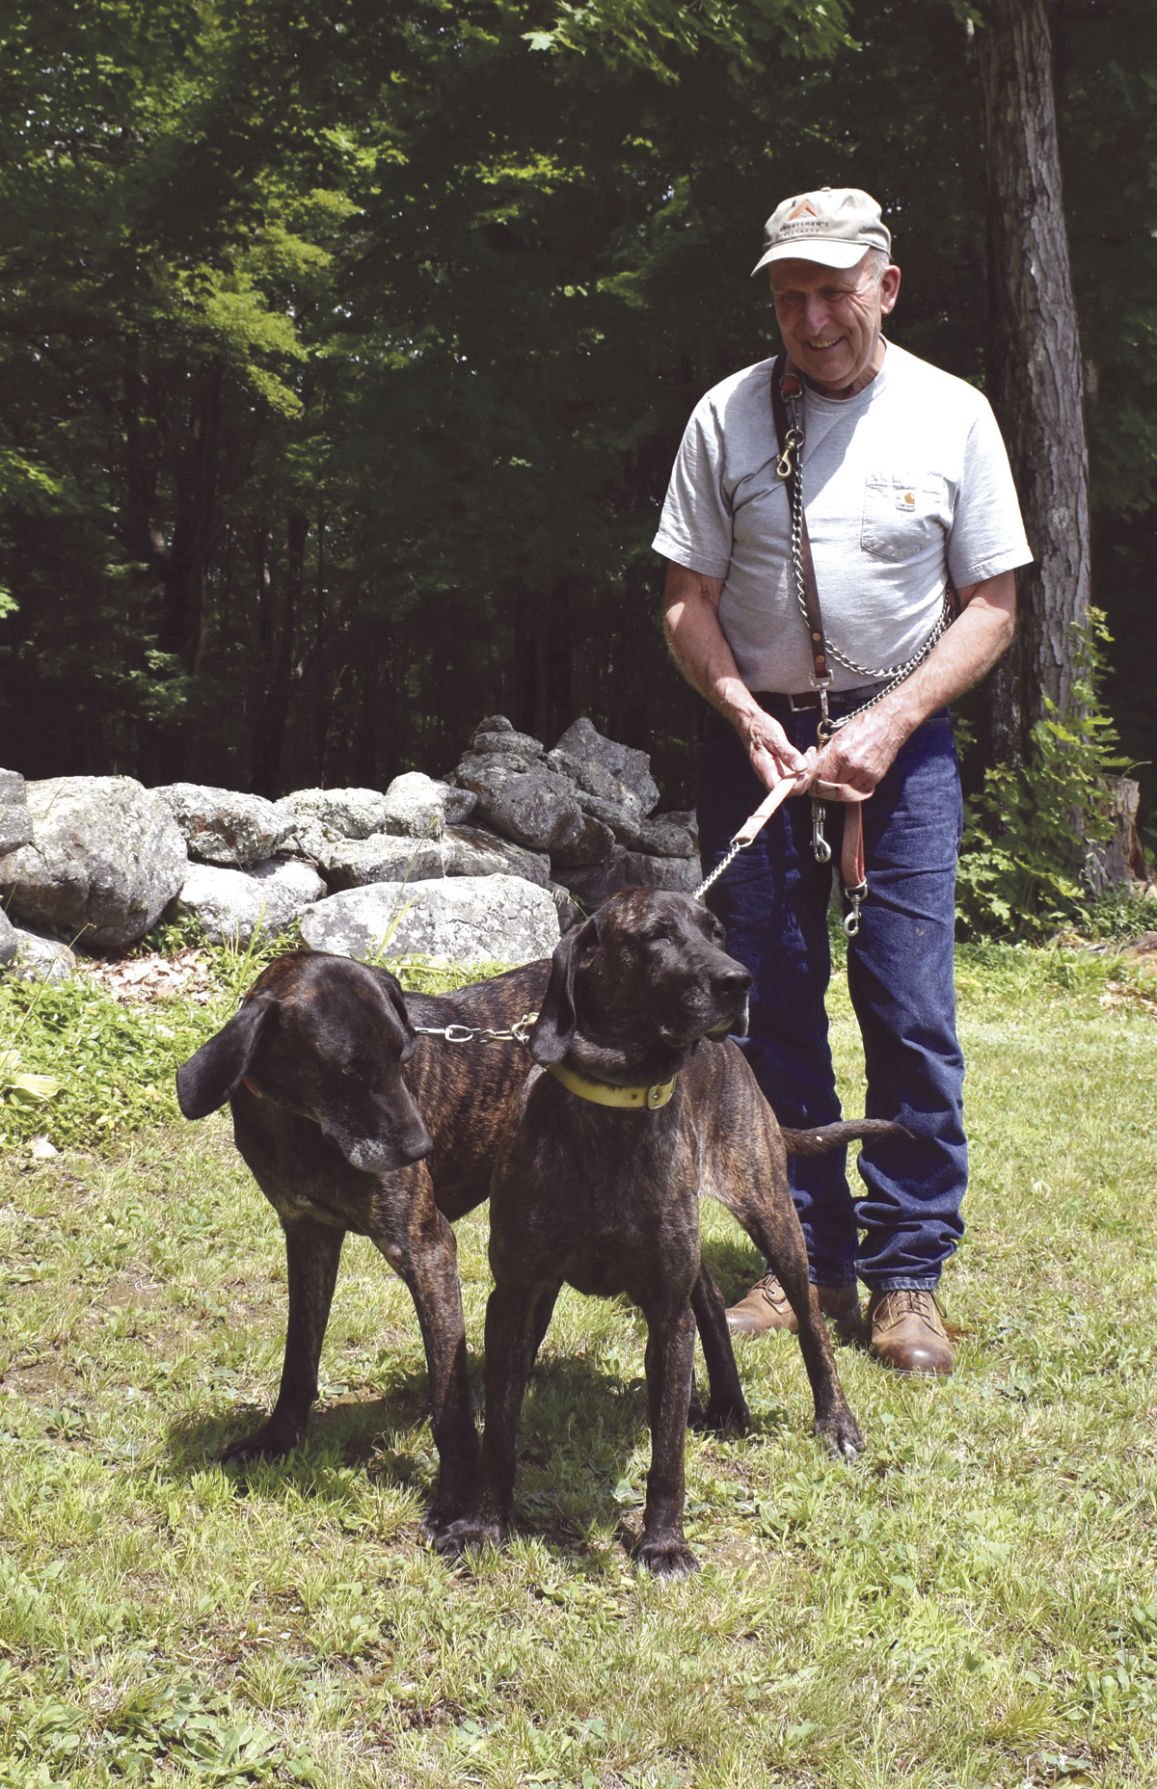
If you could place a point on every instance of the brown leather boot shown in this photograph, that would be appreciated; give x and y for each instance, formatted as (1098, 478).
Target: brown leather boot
(766, 1307)
(907, 1333)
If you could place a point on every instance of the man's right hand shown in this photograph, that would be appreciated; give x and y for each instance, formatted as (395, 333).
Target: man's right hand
(769, 749)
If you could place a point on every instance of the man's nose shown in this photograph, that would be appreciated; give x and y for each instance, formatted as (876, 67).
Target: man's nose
(816, 316)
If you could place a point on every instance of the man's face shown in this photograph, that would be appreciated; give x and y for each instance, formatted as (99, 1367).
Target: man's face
(831, 319)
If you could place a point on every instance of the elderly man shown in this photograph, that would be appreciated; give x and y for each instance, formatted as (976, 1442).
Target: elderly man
(830, 664)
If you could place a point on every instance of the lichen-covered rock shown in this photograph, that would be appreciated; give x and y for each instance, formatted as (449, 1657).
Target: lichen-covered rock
(601, 766)
(417, 806)
(457, 919)
(669, 835)
(237, 906)
(9, 938)
(41, 959)
(222, 826)
(682, 875)
(105, 859)
(341, 813)
(383, 857)
(15, 820)
(470, 851)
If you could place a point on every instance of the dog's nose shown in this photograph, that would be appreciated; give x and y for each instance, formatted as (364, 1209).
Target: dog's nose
(733, 984)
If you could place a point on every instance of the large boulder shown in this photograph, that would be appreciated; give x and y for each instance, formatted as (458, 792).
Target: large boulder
(457, 919)
(418, 807)
(105, 860)
(612, 782)
(224, 827)
(15, 820)
(9, 938)
(339, 813)
(236, 906)
(537, 808)
(383, 857)
(470, 851)
(682, 875)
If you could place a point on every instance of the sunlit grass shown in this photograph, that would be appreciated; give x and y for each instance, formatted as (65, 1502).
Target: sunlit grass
(973, 1604)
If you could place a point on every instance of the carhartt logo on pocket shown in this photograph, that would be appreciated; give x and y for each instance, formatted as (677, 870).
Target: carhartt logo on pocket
(906, 500)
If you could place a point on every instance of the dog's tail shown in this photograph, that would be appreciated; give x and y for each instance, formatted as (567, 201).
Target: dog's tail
(826, 1137)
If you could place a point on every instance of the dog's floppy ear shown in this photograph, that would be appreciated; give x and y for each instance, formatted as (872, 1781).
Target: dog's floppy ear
(392, 988)
(208, 1078)
(555, 1026)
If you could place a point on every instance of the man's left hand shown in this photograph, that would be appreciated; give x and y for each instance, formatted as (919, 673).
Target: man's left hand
(859, 754)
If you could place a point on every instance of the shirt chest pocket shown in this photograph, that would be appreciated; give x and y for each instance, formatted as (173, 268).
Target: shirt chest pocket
(903, 518)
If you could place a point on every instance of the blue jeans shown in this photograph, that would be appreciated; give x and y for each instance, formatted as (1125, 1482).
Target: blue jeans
(773, 901)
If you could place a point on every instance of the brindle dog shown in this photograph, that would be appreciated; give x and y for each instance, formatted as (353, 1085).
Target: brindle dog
(312, 1067)
(606, 1199)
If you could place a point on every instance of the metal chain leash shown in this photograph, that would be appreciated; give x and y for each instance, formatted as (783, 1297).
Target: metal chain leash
(791, 459)
(519, 1032)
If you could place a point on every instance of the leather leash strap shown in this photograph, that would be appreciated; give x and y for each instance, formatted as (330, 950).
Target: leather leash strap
(786, 384)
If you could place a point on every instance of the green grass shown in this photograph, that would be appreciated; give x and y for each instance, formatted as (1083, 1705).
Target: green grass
(973, 1604)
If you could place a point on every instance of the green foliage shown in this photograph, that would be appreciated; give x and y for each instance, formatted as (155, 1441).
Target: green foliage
(1028, 836)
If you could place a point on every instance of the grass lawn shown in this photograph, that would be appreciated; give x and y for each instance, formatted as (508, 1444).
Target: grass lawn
(973, 1603)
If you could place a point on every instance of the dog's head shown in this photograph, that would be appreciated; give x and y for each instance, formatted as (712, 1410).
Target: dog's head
(323, 1037)
(647, 969)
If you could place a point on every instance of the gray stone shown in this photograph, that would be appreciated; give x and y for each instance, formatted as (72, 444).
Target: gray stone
(9, 938)
(457, 919)
(385, 857)
(15, 820)
(669, 835)
(535, 808)
(224, 827)
(469, 851)
(418, 807)
(237, 906)
(591, 884)
(680, 874)
(343, 813)
(591, 759)
(496, 734)
(41, 959)
(105, 860)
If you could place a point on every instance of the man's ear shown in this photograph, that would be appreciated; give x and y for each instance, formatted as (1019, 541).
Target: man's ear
(554, 1028)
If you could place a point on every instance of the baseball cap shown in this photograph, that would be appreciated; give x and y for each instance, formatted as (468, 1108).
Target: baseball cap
(834, 226)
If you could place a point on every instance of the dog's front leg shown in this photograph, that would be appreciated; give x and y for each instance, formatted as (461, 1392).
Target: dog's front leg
(516, 1320)
(312, 1254)
(427, 1260)
(669, 1363)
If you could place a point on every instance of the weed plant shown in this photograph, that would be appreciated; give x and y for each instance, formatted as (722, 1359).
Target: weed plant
(971, 1606)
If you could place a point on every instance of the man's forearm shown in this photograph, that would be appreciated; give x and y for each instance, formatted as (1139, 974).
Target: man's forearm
(700, 649)
(860, 753)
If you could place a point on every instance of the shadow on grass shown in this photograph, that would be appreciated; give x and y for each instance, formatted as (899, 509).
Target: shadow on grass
(583, 1447)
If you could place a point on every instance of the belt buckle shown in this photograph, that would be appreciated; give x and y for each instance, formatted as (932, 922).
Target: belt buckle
(801, 703)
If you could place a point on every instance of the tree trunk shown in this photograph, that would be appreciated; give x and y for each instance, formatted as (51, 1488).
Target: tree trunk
(1035, 364)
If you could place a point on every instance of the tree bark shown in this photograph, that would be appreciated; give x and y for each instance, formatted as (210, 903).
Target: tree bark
(1036, 380)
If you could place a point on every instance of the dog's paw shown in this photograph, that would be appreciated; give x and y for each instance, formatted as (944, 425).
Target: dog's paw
(840, 1435)
(720, 1419)
(465, 1534)
(272, 1441)
(667, 1558)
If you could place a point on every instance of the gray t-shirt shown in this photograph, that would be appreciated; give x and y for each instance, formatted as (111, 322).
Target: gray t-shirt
(905, 485)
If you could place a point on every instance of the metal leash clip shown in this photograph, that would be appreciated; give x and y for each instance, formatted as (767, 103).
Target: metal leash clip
(856, 897)
(792, 442)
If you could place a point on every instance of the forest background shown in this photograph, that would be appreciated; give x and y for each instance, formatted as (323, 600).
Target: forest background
(344, 351)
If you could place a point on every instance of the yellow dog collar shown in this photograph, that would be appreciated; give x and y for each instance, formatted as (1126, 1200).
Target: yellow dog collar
(602, 1093)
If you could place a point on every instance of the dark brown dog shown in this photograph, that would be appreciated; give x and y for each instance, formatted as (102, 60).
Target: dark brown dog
(312, 1067)
(607, 1199)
